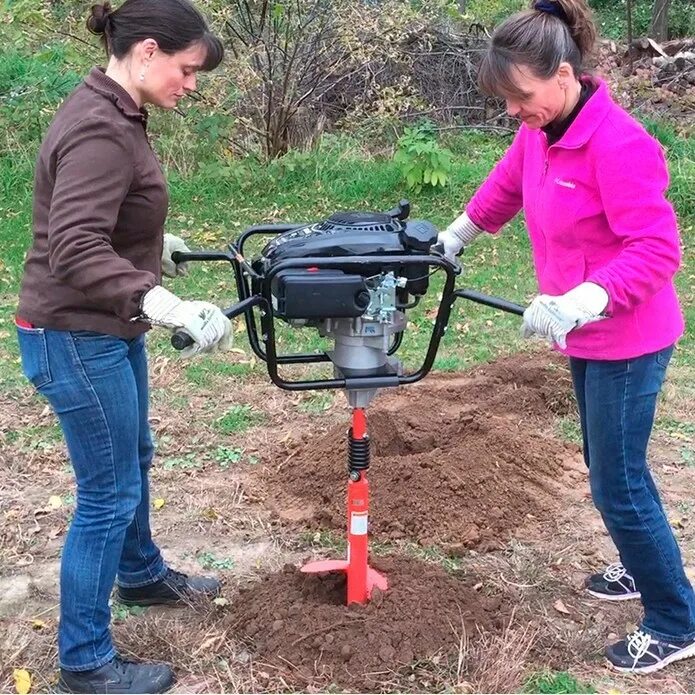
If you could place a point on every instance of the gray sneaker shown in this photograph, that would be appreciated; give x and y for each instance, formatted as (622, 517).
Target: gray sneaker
(640, 652)
(615, 584)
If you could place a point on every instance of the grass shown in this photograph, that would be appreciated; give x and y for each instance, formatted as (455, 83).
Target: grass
(568, 428)
(188, 462)
(209, 561)
(317, 402)
(675, 427)
(203, 372)
(226, 457)
(556, 682)
(238, 419)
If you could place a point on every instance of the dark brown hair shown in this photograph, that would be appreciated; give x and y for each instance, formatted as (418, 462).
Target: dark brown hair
(550, 33)
(174, 24)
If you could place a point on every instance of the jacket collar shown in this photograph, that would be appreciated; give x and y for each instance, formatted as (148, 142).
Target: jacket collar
(588, 119)
(101, 84)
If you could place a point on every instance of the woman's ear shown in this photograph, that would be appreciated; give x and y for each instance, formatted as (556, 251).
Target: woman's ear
(149, 47)
(565, 75)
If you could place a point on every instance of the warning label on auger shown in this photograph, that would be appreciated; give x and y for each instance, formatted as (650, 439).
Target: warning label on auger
(358, 523)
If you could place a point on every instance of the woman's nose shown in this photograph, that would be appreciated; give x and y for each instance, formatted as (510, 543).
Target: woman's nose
(189, 84)
(513, 108)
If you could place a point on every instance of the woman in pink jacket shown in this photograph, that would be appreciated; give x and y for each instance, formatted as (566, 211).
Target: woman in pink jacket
(591, 183)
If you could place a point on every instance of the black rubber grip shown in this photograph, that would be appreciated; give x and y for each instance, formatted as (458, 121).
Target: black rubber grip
(181, 340)
(494, 302)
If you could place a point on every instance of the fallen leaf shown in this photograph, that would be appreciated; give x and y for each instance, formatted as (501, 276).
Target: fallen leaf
(54, 502)
(22, 680)
(677, 522)
(560, 607)
(38, 624)
(220, 601)
(158, 503)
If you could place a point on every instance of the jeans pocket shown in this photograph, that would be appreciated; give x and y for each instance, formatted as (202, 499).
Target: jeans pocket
(34, 354)
(99, 352)
(663, 357)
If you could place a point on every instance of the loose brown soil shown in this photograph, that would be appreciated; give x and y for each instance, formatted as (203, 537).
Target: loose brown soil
(298, 626)
(459, 461)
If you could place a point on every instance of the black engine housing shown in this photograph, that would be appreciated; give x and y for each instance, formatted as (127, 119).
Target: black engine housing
(311, 293)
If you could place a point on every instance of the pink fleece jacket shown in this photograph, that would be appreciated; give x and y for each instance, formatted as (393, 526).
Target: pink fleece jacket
(596, 211)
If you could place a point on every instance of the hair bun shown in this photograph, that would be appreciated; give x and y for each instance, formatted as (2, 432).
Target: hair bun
(98, 19)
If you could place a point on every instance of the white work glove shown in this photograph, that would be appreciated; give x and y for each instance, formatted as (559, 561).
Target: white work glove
(554, 317)
(169, 268)
(461, 232)
(210, 329)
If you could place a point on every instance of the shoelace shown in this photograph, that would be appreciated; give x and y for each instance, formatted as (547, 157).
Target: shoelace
(119, 665)
(614, 572)
(638, 643)
(177, 580)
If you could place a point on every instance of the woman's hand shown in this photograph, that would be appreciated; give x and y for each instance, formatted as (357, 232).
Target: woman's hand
(210, 329)
(461, 232)
(554, 317)
(169, 268)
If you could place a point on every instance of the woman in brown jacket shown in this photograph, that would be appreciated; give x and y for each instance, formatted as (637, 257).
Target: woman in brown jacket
(91, 289)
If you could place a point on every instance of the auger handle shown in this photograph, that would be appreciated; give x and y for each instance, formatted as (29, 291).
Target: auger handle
(494, 302)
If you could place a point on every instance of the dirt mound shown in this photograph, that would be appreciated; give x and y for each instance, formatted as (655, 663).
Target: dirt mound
(535, 387)
(299, 629)
(457, 460)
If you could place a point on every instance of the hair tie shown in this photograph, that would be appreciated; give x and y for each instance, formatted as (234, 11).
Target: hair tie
(551, 8)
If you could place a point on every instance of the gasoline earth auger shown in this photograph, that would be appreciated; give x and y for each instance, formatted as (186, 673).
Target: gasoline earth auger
(352, 277)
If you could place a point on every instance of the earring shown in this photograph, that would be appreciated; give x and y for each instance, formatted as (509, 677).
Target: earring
(142, 75)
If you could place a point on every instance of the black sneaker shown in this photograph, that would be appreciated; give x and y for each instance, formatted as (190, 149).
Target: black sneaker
(174, 588)
(615, 584)
(118, 676)
(639, 652)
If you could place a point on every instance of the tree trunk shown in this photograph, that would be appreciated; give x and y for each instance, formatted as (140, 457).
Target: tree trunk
(659, 26)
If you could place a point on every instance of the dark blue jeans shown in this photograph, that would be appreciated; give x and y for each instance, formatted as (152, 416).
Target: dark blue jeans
(97, 386)
(617, 402)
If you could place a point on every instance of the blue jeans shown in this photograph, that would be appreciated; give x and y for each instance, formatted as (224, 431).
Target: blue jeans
(617, 402)
(97, 386)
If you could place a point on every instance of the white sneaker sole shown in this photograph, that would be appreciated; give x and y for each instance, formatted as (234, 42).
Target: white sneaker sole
(676, 656)
(616, 597)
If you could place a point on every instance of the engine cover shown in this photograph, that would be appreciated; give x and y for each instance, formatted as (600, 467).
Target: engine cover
(333, 293)
(342, 234)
